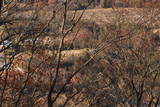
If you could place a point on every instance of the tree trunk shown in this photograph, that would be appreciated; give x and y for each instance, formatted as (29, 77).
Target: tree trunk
(1, 4)
(106, 3)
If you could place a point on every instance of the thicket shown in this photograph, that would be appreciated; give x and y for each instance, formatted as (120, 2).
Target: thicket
(48, 59)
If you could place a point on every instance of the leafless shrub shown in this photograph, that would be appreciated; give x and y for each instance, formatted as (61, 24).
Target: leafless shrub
(82, 61)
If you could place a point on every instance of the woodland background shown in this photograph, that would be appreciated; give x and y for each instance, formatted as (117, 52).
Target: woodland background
(79, 53)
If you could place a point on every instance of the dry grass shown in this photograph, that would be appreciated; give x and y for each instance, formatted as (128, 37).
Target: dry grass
(98, 16)
(111, 16)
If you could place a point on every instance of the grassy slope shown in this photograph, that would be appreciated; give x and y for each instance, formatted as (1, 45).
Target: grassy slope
(98, 16)
(110, 16)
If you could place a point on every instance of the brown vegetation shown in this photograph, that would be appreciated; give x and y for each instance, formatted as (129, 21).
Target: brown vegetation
(82, 58)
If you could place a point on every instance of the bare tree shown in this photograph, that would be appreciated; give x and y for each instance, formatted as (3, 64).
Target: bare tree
(54, 56)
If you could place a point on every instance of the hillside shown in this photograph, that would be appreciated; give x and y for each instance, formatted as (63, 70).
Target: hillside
(98, 16)
(108, 57)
